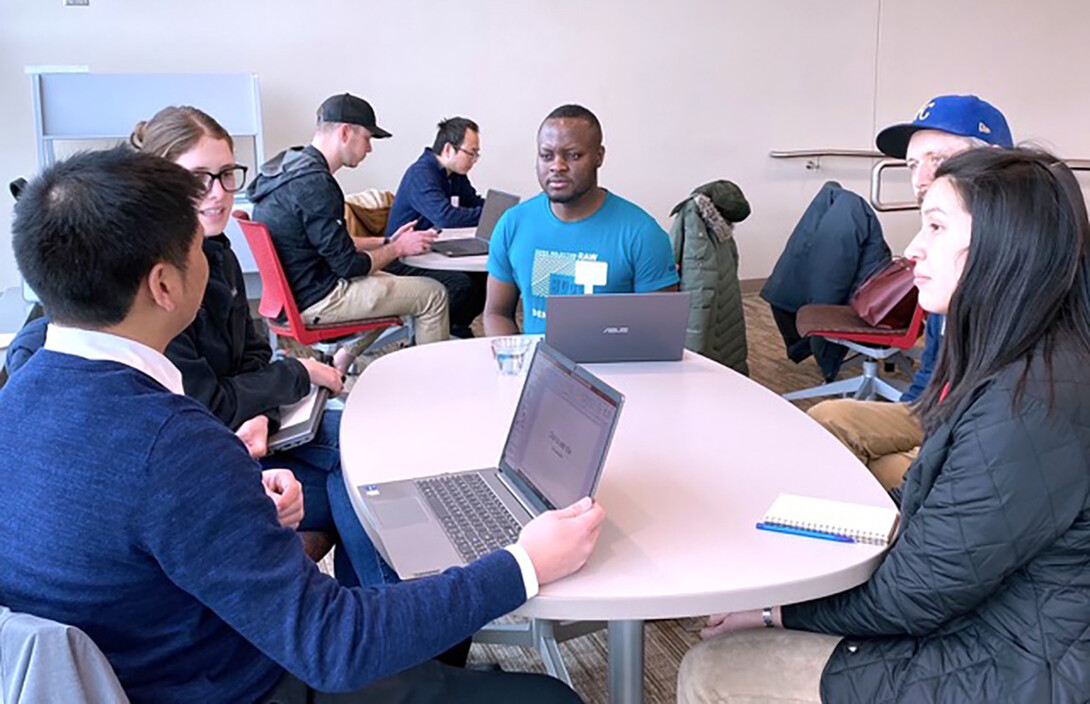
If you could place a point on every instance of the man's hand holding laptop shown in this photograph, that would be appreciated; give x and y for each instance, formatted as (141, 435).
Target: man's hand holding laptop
(559, 542)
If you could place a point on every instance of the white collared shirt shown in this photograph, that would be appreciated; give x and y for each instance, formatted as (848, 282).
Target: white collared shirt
(92, 344)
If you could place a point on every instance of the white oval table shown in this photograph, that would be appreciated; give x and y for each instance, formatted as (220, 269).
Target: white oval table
(441, 262)
(699, 454)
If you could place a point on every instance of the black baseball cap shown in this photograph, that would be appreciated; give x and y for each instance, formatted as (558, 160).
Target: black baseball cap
(351, 110)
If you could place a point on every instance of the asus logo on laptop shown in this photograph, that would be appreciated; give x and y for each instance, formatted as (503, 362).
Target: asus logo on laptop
(616, 330)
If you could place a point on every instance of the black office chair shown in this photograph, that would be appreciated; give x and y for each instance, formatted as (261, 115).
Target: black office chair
(17, 187)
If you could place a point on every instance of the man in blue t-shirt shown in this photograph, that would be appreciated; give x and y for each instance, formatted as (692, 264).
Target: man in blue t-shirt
(574, 237)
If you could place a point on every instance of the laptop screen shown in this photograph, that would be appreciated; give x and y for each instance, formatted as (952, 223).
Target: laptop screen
(496, 204)
(561, 431)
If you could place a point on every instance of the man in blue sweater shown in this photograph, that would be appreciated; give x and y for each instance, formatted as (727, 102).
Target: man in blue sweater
(887, 436)
(435, 192)
(438, 178)
(150, 527)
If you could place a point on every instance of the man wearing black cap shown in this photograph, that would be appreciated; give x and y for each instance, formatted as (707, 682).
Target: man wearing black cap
(886, 436)
(333, 278)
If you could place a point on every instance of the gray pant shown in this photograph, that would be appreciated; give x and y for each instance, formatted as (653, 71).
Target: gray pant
(760, 665)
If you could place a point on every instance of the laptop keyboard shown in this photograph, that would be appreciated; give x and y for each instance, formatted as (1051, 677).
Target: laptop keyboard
(472, 515)
(461, 246)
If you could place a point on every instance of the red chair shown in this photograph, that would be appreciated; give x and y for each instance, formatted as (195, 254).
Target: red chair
(841, 324)
(278, 302)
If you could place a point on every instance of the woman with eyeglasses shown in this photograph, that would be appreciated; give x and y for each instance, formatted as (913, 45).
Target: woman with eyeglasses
(228, 366)
(985, 594)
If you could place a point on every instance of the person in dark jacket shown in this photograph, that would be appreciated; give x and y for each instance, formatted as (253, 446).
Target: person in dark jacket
(886, 436)
(229, 368)
(985, 594)
(333, 278)
(435, 192)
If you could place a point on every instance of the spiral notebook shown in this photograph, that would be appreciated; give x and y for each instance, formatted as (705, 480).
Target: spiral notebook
(830, 520)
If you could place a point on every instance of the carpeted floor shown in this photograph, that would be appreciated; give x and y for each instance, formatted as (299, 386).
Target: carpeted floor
(665, 641)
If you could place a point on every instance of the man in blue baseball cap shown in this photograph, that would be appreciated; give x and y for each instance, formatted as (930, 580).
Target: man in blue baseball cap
(943, 127)
(886, 436)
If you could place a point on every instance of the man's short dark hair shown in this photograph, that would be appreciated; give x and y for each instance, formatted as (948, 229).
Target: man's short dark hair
(88, 230)
(575, 112)
(452, 131)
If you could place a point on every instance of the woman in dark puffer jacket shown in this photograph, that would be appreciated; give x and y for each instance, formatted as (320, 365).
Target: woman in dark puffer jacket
(985, 595)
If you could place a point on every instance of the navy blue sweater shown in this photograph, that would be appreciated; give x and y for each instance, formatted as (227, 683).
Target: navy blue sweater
(424, 196)
(135, 515)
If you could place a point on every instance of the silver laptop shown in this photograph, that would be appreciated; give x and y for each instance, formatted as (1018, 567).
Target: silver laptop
(299, 422)
(618, 327)
(496, 204)
(554, 454)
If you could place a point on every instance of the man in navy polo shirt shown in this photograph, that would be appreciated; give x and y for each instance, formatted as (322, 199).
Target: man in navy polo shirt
(435, 192)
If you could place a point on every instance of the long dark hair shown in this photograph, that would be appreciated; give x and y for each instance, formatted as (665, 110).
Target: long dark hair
(1026, 282)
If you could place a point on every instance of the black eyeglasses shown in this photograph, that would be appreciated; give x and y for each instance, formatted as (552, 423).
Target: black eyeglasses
(232, 179)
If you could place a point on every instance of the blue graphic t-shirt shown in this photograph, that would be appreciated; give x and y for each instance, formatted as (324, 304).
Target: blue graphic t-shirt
(618, 249)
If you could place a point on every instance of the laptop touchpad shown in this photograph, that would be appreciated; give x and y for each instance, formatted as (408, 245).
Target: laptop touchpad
(400, 513)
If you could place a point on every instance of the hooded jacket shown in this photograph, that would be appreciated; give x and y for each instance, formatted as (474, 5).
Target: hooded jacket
(297, 198)
(985, 595)
(707, 258)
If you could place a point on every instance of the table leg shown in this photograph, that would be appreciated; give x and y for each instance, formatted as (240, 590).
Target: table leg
(626, 662)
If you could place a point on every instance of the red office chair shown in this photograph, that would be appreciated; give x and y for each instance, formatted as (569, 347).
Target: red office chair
(278, 302)
(841, 324)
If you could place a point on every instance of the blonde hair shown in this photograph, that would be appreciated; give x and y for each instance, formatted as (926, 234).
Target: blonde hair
(175, 130)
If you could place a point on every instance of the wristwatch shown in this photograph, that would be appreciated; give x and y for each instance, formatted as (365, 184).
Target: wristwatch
(766, 616)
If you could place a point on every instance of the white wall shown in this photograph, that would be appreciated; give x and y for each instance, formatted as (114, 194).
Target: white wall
(687, 91)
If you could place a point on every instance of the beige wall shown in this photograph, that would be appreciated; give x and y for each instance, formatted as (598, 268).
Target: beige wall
(687, 91)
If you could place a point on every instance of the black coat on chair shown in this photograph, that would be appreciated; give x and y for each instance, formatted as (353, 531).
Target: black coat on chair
(834, 247)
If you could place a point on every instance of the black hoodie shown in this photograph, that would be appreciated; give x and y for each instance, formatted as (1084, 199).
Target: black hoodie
(298, 199)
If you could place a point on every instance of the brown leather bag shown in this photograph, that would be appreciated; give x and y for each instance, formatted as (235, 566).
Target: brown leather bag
(887, 299)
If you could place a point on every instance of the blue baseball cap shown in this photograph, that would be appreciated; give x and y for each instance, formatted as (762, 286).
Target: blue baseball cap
(963, 115)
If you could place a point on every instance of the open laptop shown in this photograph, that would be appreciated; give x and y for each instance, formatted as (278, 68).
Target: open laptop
(496, 204)
(618, 327)
(554, 454)
(299, 422)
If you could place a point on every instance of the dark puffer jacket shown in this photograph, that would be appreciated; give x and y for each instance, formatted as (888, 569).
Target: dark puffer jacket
(985, 596)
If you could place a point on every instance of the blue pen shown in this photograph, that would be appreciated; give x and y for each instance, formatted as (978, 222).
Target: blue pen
(776, 528)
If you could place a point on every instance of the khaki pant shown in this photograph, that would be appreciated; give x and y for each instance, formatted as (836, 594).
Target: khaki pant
(884, 436)
(760, 665)
(378, 295)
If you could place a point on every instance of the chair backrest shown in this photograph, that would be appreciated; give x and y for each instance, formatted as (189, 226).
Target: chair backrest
(46, 661)
(276, 295)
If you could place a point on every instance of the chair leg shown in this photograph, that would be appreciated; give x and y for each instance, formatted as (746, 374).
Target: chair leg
(835, 388)
(887, 391)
